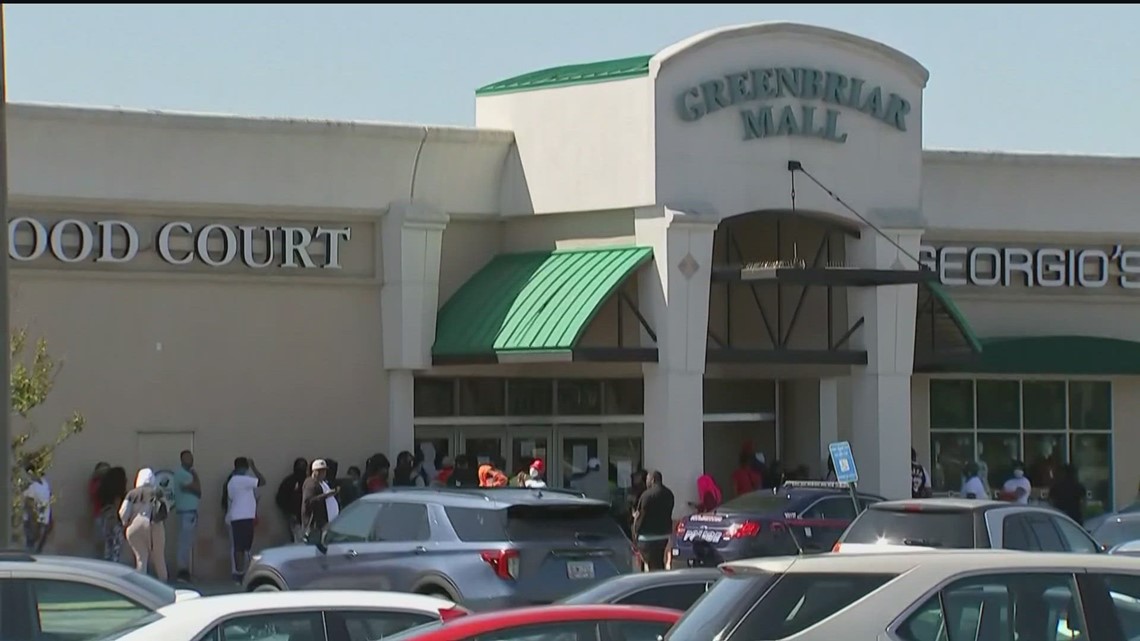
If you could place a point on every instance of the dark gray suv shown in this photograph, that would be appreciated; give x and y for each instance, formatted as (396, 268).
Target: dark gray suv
(484, 548)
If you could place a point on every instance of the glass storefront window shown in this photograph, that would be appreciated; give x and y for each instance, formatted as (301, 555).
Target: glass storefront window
(1044, 454)
(442, 447)
(949, 453)
(996, 452)
(483, 448)
(579, 397)
(726, 396)
(1091, 454)
(576, 453)
(999, 405)
(524, 449)
(433, 397)
(1044, 403)
(481, 396)
(624, 396)
(951, 404)
(1090, 405)
(530, 397)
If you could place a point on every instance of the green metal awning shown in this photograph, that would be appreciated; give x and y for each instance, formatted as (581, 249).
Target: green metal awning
(535, 304)
(1069, 355)
(956, 316)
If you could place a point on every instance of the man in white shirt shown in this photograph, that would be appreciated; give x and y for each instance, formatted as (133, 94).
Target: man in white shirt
(973, 488)
(1018, 488)
(37, 511)
(242, 510)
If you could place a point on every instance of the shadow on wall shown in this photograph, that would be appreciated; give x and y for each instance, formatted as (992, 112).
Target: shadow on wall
(514, 192)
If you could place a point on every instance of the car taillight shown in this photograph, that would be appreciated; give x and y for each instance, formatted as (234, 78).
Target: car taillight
(504, 562)
(912, 507)
(680, 529)
(454, 612)
(743, 530)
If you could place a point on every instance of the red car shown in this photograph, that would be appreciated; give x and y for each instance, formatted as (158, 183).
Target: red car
(550, 623)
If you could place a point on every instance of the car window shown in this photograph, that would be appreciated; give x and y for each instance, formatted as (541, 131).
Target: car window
(162, 592)
(1004, 607)
(372, 625)
(724, 603)
(939, 529)
(1076, 539)
(561, 523)
(798, 601)
(635, 630)
(839, 507)
(1015, 534)
(1115, 531)
(477, 524)
(680, 596)
(354, 524)
(404, 522)
(1125, 593)
(562, 631)
(1048, 538)
(758, 502)
(278, 626)
(74, 610)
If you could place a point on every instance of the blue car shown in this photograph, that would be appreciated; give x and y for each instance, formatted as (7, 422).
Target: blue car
(800, 517)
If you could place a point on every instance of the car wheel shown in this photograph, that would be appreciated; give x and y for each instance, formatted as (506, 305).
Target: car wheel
(265, 587)
(436, 592)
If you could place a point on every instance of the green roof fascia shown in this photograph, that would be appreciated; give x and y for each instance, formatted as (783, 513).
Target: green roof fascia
(533, 302)
(1061, 355)
(603, 71)
(939, 292)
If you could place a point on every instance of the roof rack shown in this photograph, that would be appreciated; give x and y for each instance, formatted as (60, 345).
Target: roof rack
(489, 491)
(818, 485)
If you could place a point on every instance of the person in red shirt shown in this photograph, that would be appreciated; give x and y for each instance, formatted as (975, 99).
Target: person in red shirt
(746, 479)
(709, 494)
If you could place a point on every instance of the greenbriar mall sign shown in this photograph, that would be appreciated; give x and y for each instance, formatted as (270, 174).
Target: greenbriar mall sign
(833, 90)
(987, 266)
(177, 243)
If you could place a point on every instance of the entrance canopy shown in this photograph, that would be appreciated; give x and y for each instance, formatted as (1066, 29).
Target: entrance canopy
(535, 307)
(943, 337)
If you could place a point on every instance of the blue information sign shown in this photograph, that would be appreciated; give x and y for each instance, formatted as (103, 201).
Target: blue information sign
(845, 471)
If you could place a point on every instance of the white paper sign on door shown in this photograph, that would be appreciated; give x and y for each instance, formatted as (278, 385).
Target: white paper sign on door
(581, 454)
(624, 472)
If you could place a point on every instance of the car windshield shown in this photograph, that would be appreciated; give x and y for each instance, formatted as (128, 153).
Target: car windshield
(719, 609)
(162, 592)
(554, 522)
(936, 529)
(761, 501)
(413, 632)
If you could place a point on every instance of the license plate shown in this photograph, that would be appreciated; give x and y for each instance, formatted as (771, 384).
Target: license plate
(707, 536)
(580, 569)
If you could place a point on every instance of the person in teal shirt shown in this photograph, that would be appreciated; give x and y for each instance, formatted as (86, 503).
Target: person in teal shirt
(187, 494)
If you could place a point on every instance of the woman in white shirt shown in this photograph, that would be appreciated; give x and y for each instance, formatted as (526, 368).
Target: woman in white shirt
(1017, 488)
(973, 488)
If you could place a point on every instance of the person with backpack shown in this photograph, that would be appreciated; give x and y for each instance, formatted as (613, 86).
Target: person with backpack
(919, 479)
(143, 514)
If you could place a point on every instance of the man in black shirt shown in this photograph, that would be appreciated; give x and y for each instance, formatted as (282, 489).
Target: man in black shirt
(653, 522)
(314, 510)
(1067, 494)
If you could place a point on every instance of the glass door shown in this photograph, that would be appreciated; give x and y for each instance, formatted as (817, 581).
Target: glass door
(577, 446)
(439, 439)
(526, 445)
(482, 444)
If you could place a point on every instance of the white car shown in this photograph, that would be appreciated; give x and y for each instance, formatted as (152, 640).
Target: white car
(982, 595)
(302, 615)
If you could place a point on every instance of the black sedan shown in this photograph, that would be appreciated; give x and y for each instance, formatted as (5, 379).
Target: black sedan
(674, 589)
(800, 517)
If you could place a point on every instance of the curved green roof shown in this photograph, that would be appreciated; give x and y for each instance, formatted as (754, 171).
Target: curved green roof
(539, 302)
(578, 74)
(1073, 355)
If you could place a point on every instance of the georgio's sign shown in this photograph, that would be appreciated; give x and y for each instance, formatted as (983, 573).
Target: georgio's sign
(179, 243)
(808, 102)
(997, 266)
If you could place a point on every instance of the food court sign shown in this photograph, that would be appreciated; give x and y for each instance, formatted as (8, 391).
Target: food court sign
(792, 101)
(178, 243)
(996, 266)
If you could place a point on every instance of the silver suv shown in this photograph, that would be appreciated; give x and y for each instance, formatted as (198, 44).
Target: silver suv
(484, 548)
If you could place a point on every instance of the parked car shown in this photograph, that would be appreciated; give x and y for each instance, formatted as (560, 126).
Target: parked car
(990, 595)
(674, 589)
(62, 598)
(485, 549)
(553, 623)
(314, 615)
(1094, 522)
(796, 518)
(963, 523)
(1117, 529)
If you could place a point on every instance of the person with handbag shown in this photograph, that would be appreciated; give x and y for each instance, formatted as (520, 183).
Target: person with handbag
(143, 514)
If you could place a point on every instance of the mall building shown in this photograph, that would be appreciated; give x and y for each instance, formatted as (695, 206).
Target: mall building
(650, 261)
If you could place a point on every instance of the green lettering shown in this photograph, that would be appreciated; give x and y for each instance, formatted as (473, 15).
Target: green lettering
(739, 90)
(757, 124)
(856, 93)
(763, 83)
(812, 84)
(788, 82)
(690, 110)
(833, 87)
(831, 128)
(788, 125)
(716, 95)
(807, 122)
(873, 105)
(897, 109)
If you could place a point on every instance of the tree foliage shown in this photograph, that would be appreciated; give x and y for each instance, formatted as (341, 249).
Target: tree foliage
(32, 379)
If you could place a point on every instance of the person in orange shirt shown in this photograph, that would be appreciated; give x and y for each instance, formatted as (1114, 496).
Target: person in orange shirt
(491, 476)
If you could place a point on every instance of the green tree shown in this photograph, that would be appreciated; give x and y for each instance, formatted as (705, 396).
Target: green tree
(32, 379)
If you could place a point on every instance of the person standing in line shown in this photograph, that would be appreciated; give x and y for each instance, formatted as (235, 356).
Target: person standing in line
(97, 506)
(242, 490)
(1067, 494)
(594, 483)
(972, 487)
(535, 478)
(37, 510)
(187, 494)
(745, 478)
(316, 497)
(112, 492)
(289, 499)
(463, 475)
(143, 513)
(1018, 488)
(653, 522)
(919, 479)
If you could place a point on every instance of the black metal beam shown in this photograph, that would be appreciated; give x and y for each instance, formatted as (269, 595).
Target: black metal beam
(716, 339)
(636, 312)
(803, 294)
(787, 356)
(830, 276)
(615, 354)
(847, 335)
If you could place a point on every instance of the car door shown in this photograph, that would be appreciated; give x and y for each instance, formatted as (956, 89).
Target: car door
(399, 550)
(343, 565)
(371, 625)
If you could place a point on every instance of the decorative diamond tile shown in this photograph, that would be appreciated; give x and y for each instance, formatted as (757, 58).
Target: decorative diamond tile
(688, 266)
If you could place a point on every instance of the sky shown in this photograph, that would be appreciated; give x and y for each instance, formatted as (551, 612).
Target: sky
(1046, 78)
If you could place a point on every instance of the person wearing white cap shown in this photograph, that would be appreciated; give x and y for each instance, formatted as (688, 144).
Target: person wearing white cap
(318, 501)
(594, 483)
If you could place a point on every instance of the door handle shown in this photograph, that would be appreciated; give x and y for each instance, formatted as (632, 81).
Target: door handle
(420, 549)
(351, 554)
